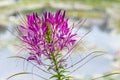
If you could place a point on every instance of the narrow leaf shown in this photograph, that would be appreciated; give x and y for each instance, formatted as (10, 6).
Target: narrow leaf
(16, 57)
(106, 75)
(18, 74)
(54, 76)
(21, 73)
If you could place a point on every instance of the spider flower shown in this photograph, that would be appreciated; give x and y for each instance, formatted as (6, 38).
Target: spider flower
(47, 34)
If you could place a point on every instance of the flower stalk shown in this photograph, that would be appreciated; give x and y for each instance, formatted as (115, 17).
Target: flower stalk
(56, 66)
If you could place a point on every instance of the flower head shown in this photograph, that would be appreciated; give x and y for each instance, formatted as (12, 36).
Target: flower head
(47, 34)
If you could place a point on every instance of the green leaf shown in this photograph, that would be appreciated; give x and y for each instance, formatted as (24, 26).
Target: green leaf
(54, 76)
(18, 74)
(16, 57)
(21, 73)
(63, 71)
(106, 75)
(58, 56)
(49, 68)
(61, 67)
(68, 78)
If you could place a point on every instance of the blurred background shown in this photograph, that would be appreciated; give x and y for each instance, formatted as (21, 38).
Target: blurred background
(100, 16)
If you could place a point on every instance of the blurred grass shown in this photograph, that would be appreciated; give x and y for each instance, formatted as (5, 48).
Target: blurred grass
(38, 10)
(100, 3)
(23, 3)
(94, 3)
(42, 5)
(117, 23)
(88, 14)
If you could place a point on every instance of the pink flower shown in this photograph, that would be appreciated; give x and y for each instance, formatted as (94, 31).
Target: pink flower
(47, 34)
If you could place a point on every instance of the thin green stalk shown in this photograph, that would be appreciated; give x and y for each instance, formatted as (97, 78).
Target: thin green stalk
(56, 66)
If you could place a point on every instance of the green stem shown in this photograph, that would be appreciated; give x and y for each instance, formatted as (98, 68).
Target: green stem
(56, 66)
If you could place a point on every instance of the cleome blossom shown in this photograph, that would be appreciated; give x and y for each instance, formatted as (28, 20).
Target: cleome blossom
(47, 34)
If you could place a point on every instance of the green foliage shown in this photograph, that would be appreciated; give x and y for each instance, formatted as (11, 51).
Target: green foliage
(88, 14)
(59, 68)
(94, 3)
(107, 75)
(21, 73)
